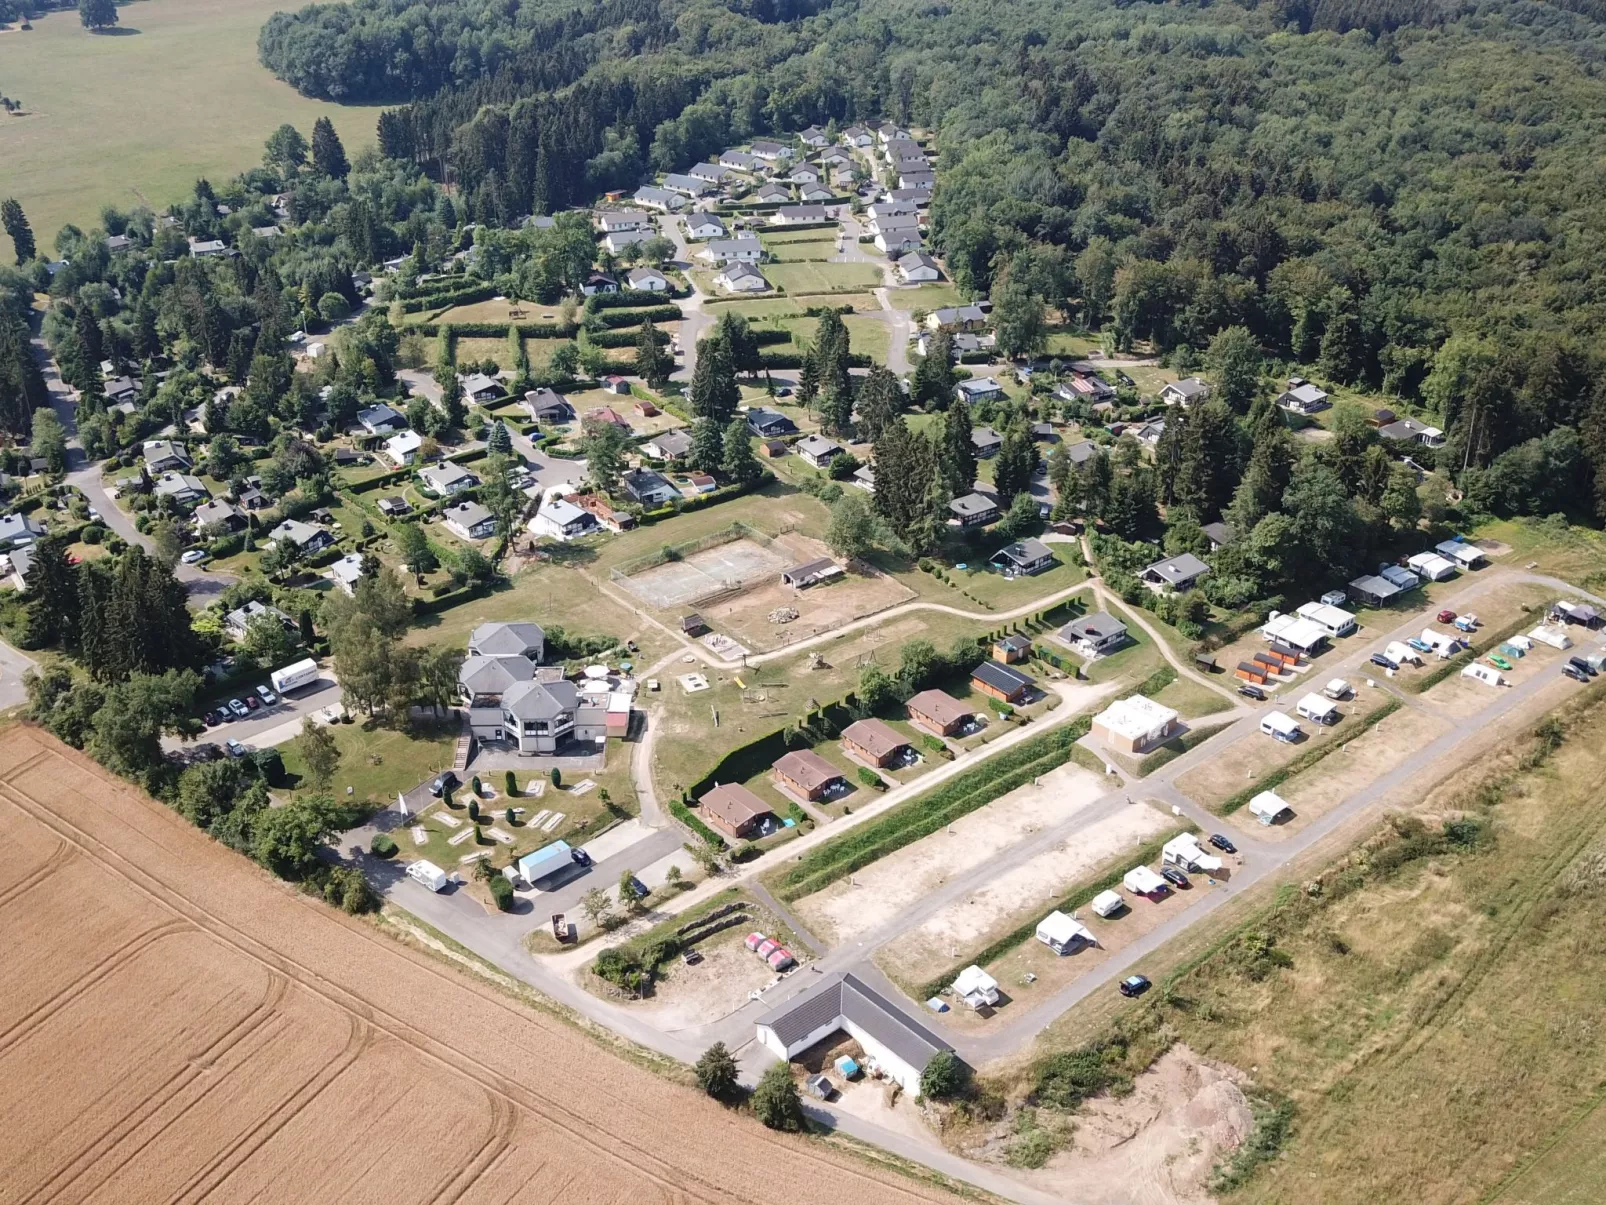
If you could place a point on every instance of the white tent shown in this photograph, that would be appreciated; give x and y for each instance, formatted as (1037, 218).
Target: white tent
(976, 987)
(1462, 554)
(1486, 674)
(1140, 880)
(1400, 652)
(1107, 903)
(1432, 566)
(1062, 933)
(1185, 851)
(1553, 636)
(1443, 643)
(1268, 806)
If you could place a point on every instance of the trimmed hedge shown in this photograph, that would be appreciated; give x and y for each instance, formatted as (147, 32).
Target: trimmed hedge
(791, 359)
(493, 330)
(658, 313)
(723, 494)
(682, 813)
(765, 337)
(926, 814)
(445, 301)
(623, 300)
(622, 338)
(445, 602)
(379, 482)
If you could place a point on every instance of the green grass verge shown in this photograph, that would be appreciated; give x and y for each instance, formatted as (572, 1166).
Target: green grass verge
(1485, 641)
(1305, 760)
(1080, 897)
(1177, 746)
(927, 813)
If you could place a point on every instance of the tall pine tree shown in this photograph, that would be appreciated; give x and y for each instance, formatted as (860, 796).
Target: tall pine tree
(16, 224)
(328, 155)
(714, 392)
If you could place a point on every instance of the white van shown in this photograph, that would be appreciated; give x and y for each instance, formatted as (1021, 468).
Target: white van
(429, 874)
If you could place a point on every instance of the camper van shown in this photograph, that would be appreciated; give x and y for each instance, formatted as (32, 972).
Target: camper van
(429, 874)
(1280, 727)
(1318, 710)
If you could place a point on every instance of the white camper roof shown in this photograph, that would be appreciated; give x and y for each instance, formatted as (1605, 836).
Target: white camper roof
(1279, 721)
(1314, 705)
(1438, 640)
(1269, 805)
(1142, 880)
(1461, 553)
(1326, 614)
(1059, 929)
(1303, 634)
(1104, 903)
(1486, 674)
(1185, 847)
(974, 981)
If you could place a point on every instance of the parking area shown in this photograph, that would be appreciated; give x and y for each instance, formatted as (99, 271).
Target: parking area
(265, 725)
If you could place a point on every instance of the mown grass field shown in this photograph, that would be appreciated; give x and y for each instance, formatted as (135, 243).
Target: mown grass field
(807, 279)
(135, 117)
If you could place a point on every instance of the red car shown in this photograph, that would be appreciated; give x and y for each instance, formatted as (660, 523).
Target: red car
(1446, 616)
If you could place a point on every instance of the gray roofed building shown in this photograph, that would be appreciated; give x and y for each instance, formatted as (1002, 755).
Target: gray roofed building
(22, 560)
(766, 422)
(817, 449)
(917, 266)
(612, 220)
(1220, 534)
(710, 173)
(738, 161)
(488, 678)
(1411, 429)
(304, 536)
(471, 521)
(971, 510)
(742, 249)
(19, 529)
(772, 192)
(1176, 573)
(1024, 557)
(527, 640)
(547, 406)
(741, 278)
(377, 420)
(668, 445)
(648, 488)
(163, 454)
(841, 1001)
(687, 185)
(1185, 392)
(347, 572)
(239, 621)
(1082, 450)
(1302, 397)
(181, 487)
(1094, 635)
(660, 198)
(811, 573)
(216, 512)
(800, 215)
(448, 478)
(771, 151)
(984, 441)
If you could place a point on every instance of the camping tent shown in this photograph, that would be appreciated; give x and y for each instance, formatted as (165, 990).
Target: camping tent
(1184, 850)
(1062, 933)
(1486, 674)
(1318, 709)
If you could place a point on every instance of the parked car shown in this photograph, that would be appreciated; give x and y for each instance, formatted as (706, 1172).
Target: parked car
(213, 718)
(579, 857)
(239, 709)
(1385, 662)
(267, 696)
(253, 702)
(1421, 646)
(1467, 623)
(1446, 616)
(1220, 841)
(1582, 666)
(1252, 692)
(1133, 985)
(194, 556)
(1574, 674)
(234, 748)
(1174, 876)
(441, 785)
(1499, 662)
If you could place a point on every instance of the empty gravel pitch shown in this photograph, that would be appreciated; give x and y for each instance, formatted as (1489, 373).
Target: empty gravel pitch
(178, 1025)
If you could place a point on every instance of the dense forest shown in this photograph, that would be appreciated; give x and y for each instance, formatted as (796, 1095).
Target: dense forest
(1401, 192)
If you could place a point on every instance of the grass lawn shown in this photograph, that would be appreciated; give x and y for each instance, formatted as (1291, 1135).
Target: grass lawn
(866, 335)
(806, 279)
(924, 297)
(497, 309)
(782, 307)
(134, 118)
(1071, 343)
(1576, 554)
(377, 761)
(1192, 699)
(803, 245)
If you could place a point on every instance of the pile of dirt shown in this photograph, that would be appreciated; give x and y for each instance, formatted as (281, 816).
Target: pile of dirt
(1157, 1145)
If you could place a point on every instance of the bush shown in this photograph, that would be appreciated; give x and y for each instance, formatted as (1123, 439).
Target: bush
(944, 1077)
(716, 1072)
(93, 534)
(871, 779)
(502, 893)
(1065, 1080)
(557, 777)
(473, 809)
(775, 1100)
(382, 846)
(512, 790)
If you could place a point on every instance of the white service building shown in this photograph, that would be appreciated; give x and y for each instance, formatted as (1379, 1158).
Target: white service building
(1133, 724)
(900, 1045)
(1305, 635)
(1335, 621)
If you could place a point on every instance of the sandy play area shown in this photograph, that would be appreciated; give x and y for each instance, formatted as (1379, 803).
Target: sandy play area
(1017, 895)
(179, 1025)
(876, 894)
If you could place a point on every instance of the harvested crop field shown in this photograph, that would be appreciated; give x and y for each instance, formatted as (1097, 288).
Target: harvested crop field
(178, 1024)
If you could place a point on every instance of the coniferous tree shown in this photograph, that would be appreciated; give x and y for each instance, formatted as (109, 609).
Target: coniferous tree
(1017, 458)
(328, 155)
(956, 454)
(707, 445)
(16, 224)
(880, 400)
(931, 386)
(739, 465)
(714, 392)
(653, 363)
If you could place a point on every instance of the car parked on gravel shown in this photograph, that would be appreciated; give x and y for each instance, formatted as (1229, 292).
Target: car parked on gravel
(1133, 986)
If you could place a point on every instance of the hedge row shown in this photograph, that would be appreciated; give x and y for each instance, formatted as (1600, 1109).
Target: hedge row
(627, 338)
(1080, 898)
(792, 359)
(445, 301)
(766, 336)
(495, 330)
(1305, 760)
(658, 313)
(623, 300)
(682, 813)
(723, 494)
(926, 814)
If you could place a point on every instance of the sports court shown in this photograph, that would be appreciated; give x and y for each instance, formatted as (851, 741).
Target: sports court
(700, 574)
